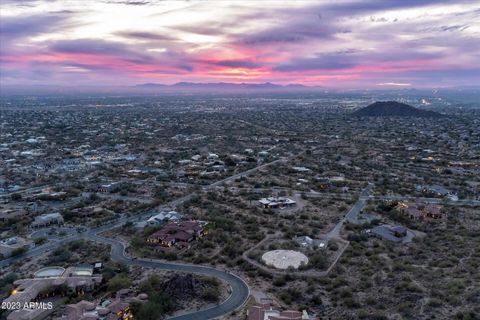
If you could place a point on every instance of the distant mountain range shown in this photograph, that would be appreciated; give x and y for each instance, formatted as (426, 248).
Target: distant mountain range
(394, 109)
(223, 86)
(469, 96)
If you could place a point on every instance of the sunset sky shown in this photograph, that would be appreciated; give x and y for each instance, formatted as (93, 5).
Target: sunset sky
(337, 44)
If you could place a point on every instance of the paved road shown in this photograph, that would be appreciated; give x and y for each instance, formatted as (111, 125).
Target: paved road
(239, 289)
(242, 174)
(352, 214)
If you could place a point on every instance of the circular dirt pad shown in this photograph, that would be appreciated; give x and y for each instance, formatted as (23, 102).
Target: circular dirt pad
(282, 259)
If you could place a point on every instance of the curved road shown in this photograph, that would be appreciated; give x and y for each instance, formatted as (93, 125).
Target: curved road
(239, 289)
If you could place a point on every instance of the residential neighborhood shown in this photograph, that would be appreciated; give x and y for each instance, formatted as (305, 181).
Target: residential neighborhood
(275, 210)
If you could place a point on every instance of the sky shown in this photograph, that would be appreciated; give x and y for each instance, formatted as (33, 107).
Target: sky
(335, 44)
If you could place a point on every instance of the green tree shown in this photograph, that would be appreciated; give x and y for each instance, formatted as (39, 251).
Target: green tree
(120, 281)
(18, 252)
(157, 307)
